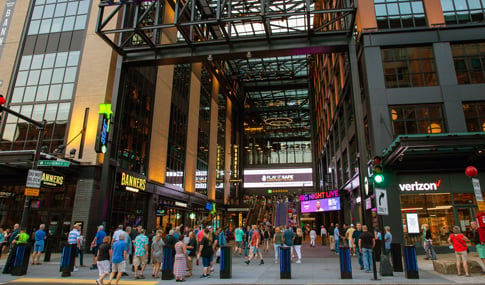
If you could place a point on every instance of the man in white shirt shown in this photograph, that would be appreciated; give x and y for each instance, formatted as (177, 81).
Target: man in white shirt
(116, 234)
(323, 234)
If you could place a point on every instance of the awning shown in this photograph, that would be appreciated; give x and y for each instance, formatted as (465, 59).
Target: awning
(450, 151)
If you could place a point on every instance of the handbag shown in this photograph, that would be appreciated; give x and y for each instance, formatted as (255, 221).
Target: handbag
(467, 250)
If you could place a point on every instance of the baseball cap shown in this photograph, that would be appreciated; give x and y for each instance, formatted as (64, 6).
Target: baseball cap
(351, 225)
(209, 227)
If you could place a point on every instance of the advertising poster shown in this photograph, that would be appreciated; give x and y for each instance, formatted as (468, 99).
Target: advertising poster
(320, 205)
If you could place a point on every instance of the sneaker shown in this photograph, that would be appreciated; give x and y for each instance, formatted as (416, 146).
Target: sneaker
(124, 274)
(247, 262)
(212, 269)
(298, 261)
(141, 276)
(76, 269)
(99, 282)
(262, 262)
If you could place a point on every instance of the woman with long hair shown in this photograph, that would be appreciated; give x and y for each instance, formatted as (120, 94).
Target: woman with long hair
(206, 251)
(157, 252)
(180, 260)
(297, 243)
(191, 248)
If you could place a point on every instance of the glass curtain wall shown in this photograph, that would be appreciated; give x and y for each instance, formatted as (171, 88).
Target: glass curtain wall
(136, 122)
(221, 143)
(204, 131)
(177, 137)
(45, 79)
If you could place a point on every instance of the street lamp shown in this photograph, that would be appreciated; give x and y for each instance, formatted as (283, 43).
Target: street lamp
(40, 138)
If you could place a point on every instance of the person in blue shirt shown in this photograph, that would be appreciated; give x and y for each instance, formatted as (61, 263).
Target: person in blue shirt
(387, 240)
(95, 244)
(336, 235)
(39, 244)
(118, 259)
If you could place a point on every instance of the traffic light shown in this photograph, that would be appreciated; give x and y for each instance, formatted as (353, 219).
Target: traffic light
(2, 102)
(378, 171)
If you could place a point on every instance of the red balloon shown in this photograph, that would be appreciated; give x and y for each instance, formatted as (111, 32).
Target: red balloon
(471, 171)
(2, 100)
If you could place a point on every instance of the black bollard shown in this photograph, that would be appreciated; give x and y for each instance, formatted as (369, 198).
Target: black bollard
(386, 268)
(67, 259)
(21, 261)
(396, 257)
(285, 262)
(374, 269)
(48, 249)
(167, 264)
(410, 262)
(226, 263)
(345, 263)
(7, 269)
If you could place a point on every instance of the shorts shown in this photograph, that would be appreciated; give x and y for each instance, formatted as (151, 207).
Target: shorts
(240, 244)
(351, 243)
(103, 267)
(139, 260)
(206, 261)
(481, 251)
(39, 246)
(119, 267)
(254, 249)
(461, 255)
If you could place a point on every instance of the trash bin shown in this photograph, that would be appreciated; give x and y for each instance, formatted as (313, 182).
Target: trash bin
(410, 262)
(20, 261)
(226, 263)
(396, 257)
(167, 264)
(67, 259)
(49, 243)
(345, 262)
(285, 262)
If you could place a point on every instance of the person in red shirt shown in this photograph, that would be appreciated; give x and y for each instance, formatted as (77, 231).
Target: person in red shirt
(458, 241)
(255, 241)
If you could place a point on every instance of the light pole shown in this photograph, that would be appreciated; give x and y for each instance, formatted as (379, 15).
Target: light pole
(40, 138)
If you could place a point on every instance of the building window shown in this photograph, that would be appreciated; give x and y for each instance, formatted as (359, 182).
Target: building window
(463, 11)
(417, 119)
(59, 16)
(203, 138)
(394, 14)
(409, 67)
(469, 60)
(474, 116)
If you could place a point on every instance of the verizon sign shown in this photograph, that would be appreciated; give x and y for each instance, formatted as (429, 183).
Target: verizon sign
(417, 186)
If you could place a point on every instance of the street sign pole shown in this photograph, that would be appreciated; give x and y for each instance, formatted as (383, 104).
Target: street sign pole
(26, 211)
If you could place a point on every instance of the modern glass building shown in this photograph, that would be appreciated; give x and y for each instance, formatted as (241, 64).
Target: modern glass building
(164, 112)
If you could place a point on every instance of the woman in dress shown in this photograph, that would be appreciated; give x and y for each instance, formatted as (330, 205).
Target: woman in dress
(157, 252)
(180, 260)
(191, 247)
(458, 241)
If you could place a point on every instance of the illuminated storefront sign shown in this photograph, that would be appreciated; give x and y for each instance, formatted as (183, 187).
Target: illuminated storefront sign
(319, 195)
(181, 204)
(133, 183)
(52, 180)
(416, 186)
(102, 134)
(290, 177)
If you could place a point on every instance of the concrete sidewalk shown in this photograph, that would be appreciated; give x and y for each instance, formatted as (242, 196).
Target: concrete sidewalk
(319, 266)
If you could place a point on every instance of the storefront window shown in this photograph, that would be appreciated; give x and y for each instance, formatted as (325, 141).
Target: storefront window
(464, 199)
(432, 209)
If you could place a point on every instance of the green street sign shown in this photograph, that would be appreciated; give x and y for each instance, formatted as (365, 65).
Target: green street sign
(53, 163)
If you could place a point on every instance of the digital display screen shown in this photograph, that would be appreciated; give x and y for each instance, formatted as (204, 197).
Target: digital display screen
(320, 205)
(278, 178)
